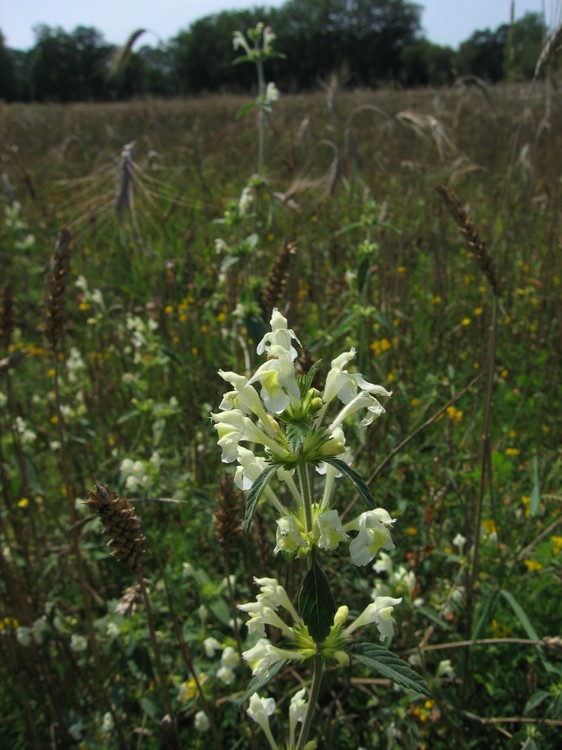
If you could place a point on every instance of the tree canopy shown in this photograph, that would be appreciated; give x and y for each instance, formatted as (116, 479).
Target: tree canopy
(374, 41)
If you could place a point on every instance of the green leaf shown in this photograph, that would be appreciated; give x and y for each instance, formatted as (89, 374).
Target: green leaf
(316, 603)
(256, 683)
(305, 381)
(355, 478)
(535, 700)
(254, 495)
(527, 627)
(244, 108)
(387, 664)
(536, 490)
(296, 434)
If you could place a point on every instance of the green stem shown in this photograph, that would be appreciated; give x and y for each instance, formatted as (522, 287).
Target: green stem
(306, 496)
(261, 116)
(318, 670)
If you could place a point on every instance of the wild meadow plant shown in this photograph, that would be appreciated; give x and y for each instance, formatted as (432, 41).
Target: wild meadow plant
(299, 431)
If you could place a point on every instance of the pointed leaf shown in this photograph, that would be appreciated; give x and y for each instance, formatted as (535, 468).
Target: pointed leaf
(316, 603)
(389, 665)
(254, 495)
(354, 477)
(296, 434)
(305, 382)
(256, 683)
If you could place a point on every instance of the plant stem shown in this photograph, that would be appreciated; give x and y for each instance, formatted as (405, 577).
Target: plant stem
(317, 672)
(306, 496)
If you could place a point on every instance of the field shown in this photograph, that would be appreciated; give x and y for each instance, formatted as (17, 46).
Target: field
(131, 274)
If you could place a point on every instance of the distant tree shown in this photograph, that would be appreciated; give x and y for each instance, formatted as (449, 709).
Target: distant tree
(364, 36)
(68, 67)
(427, 64)
(8, 80)
(524, 44)
(482, 54)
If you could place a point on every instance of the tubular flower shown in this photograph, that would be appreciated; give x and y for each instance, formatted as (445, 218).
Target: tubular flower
(374, 533)
(378, 612)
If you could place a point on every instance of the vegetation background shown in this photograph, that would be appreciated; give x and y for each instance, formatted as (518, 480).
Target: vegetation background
(158, 274)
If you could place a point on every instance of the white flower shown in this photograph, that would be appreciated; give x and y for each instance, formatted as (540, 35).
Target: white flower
(226, 675)
(278, 380)
(329, 529)
(246, 199)
(445, 670)
(201, 722)
(263, 655)
(107, 723)
(24, 635)
(132, 483)
(374, 534)
(340, 383)
(78, 643)
(260, 709)
(459, 541)
(238, 40)
(289, 537)
(249, 468)
(380, 613)
(280, 336)
(271, 94)
(229, 657)
(297, 711)
(210, 645)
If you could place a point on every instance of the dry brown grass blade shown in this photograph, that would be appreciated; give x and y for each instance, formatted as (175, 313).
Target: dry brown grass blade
(550, 48)
(119, 59)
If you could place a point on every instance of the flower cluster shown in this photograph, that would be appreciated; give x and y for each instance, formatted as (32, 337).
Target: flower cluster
(279, 410)
(300, 646)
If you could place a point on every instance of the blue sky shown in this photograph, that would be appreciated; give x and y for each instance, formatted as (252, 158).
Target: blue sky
(444, 21)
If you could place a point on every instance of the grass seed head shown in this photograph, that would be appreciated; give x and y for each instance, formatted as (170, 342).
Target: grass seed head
(120, 524)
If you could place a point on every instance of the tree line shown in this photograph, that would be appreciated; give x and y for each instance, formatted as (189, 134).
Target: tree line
(370, 42)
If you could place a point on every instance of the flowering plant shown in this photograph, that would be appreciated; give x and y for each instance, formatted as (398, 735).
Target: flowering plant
(275, 424)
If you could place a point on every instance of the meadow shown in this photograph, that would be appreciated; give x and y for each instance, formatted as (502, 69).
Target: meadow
(145, 246)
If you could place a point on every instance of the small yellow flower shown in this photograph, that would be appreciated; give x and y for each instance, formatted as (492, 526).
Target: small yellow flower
(83, 306)
(466, 321)
(411, 531)
(51, 372)
(23, 503)
(183, 318)
(477, 311)
(532, 565)
(169, 309)
(436, 300)
(54, 419)
(499, 630)
(204, 329)
(401, 269)
(454, 414)
(556, 544)
(512, 452)
(489, 526)
(415, 402)
(194, 350)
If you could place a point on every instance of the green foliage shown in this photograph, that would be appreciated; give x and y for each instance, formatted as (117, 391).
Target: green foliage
(157, 310)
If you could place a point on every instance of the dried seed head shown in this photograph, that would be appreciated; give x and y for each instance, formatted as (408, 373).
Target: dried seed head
(472, 239)
(120, 524)
(6, 316)
(56, 292)
(228, 513)
(130, 600)
(278, 277)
